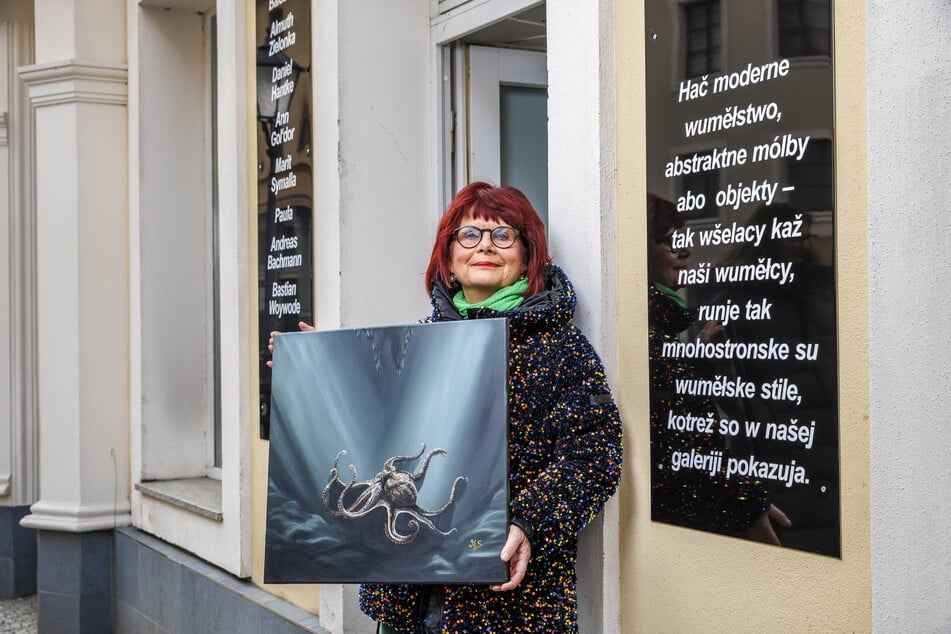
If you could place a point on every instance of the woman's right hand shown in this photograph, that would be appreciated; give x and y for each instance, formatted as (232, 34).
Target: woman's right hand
(763, 529)
(303, 325)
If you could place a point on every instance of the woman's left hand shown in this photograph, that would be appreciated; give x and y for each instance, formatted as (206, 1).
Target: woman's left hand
(517, 552)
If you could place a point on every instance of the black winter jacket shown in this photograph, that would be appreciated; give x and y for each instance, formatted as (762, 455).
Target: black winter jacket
(565, 462)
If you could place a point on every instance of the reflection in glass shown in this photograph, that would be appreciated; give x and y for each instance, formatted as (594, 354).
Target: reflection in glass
(804, 27)
(702, 25)
(741, 301)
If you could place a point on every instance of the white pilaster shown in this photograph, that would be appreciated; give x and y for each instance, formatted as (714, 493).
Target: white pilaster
(78, 92)
(581, 203)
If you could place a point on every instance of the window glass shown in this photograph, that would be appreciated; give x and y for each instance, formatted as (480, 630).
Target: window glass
(804, 27)
(702, 27)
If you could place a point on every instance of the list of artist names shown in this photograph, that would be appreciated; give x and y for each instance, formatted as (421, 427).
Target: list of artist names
(285, 191)
(283, 254)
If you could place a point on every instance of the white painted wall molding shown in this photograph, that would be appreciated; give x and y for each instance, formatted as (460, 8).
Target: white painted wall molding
(4, 484)
(22, 273)
(78, 518)
(76, 81)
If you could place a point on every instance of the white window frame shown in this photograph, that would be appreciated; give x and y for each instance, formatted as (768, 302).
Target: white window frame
(179, 494)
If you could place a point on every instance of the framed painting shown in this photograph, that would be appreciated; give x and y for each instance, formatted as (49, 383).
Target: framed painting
(389, 455)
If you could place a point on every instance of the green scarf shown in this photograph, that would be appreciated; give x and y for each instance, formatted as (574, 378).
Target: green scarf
(504, 299)
(671, 293)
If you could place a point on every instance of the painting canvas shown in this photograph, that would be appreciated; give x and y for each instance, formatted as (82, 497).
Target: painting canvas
(389, 455)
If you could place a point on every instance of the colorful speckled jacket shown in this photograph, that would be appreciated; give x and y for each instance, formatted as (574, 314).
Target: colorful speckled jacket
(565, 462)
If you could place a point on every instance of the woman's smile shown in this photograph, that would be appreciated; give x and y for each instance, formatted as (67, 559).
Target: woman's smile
(485, 268)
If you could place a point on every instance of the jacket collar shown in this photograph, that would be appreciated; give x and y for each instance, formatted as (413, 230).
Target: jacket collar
(557, 302)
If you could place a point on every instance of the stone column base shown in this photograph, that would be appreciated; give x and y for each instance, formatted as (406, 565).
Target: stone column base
(74, 581)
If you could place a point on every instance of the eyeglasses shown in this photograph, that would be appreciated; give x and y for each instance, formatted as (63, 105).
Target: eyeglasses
(667, 241)
(470, 237)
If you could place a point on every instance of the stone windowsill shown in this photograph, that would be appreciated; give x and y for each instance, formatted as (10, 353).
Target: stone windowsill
(198, 495)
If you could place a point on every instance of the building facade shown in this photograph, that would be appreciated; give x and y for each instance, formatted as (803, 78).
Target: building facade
(133, 478)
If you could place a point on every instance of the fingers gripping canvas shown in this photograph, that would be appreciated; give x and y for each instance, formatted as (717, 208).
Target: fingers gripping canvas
(389, 455)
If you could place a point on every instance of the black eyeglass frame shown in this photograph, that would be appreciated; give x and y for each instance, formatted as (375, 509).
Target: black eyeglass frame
(668, 241)
(492, 236)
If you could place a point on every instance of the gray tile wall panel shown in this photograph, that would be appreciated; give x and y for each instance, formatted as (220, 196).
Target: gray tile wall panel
(160, 588)
(60, 565)
(126, 571)
(58, 613)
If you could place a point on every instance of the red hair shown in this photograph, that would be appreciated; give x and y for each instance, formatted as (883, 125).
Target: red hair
(662, 216)
(505, 205)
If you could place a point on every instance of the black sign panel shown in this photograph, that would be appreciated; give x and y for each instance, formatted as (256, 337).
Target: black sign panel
(741, 231)
(285, 176)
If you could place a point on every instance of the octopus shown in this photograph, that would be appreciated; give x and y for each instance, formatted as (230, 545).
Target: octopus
(393, 490)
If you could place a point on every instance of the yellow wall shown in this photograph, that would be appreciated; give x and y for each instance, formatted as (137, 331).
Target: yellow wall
(680, 580)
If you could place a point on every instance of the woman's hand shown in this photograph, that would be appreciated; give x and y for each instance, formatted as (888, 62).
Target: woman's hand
(517, 552)
(762, 529)
(713, 332)
(303, 325)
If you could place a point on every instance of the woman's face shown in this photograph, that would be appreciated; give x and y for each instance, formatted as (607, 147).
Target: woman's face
(665, 264)
(484, 269)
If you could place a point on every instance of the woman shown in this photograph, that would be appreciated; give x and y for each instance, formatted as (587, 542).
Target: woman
(689, 497)
(490, 259)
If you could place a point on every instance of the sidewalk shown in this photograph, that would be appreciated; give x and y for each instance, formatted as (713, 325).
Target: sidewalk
(18, 616)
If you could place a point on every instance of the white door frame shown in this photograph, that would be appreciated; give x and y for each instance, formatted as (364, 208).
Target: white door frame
(444, 30)
(488, 69)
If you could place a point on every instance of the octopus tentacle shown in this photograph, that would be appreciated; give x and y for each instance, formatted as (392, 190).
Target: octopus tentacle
(366, 511)
(347, 488)
(368, 498)
(418, 516)
(389, 464)
(419, 474)
(334, 479)
(394, 534)
(452, 498)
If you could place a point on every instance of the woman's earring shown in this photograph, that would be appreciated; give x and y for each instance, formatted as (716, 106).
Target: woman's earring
(524, 275)
(452, 279)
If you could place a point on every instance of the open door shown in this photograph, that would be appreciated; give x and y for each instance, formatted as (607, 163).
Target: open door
(506, 123)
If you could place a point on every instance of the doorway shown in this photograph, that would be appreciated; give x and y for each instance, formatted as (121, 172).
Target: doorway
(495, 104)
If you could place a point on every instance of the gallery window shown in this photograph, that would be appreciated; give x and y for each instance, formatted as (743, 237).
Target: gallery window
(702, 37)
(804, 28)
(190, 324)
